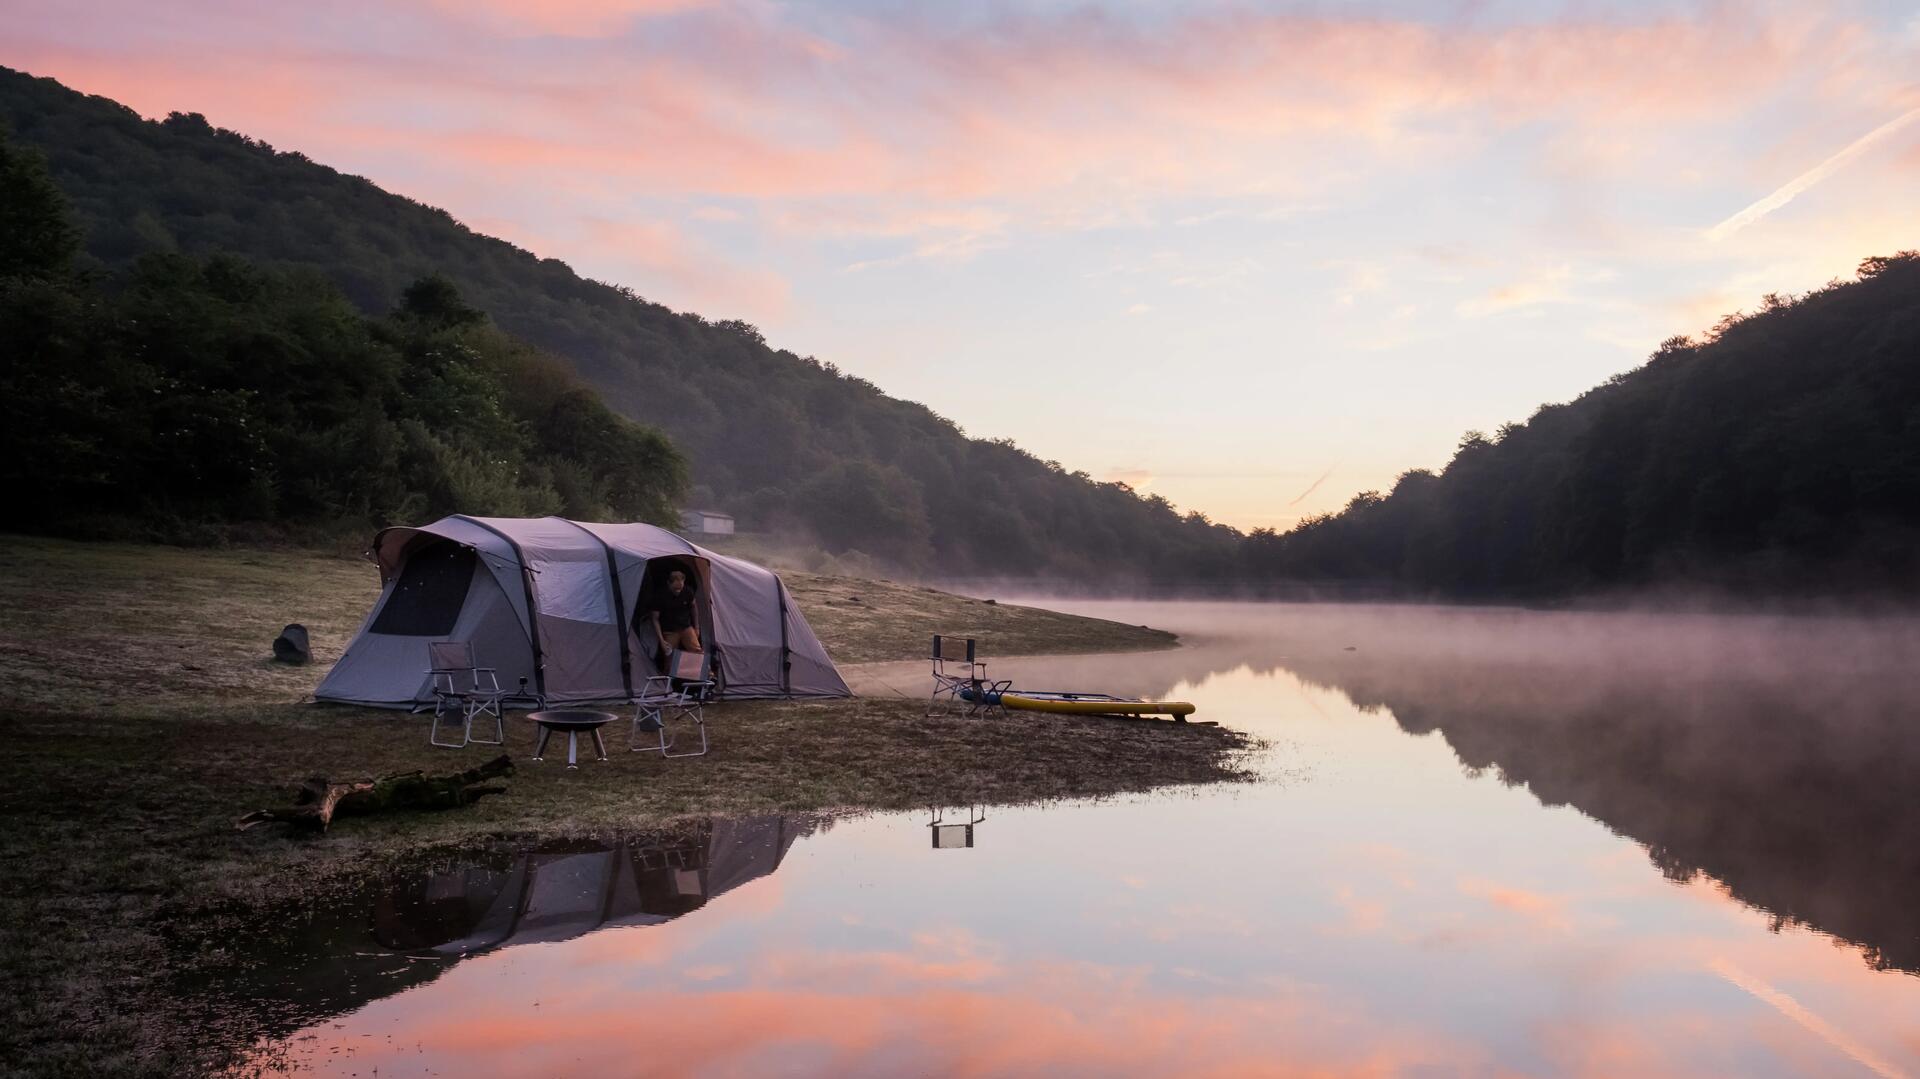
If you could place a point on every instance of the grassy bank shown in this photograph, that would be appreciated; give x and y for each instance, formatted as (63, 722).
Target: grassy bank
(170, 629)
(143, 716)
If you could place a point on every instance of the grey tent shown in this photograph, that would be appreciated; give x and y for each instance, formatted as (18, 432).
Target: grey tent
(554, 605)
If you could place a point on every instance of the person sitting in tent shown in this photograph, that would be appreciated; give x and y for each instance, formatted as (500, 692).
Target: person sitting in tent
(676, 622)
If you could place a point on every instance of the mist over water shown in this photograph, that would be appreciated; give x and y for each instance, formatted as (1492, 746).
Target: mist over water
(1484, 840)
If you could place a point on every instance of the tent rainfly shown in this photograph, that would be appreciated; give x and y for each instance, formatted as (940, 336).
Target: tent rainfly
(558, 607)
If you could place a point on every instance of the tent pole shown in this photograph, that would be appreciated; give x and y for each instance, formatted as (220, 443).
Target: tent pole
(619, 607)
(533, 614)
(786, 654)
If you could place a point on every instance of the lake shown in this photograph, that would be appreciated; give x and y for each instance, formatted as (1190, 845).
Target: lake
(1482, 842)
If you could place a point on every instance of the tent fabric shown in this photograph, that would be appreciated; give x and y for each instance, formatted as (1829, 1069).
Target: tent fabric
(553, 605)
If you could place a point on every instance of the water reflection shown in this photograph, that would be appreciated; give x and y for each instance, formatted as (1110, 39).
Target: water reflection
(1782, 766)
(952, 829)
(560, 892)
(396, 933)
(1780, 756)
(1407, 897)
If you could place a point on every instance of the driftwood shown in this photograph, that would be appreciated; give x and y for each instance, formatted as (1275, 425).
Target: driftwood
(320, 799)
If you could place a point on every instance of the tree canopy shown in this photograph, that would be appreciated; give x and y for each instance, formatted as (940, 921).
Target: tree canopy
(785, 443)
(169, 377)
(184, 395)
(1782, 453)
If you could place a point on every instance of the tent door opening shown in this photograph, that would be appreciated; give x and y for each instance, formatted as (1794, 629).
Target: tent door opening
(432, 590)
(653, 595)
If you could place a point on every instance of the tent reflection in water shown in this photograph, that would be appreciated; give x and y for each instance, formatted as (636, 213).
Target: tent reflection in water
(557, 607)
(560, 893)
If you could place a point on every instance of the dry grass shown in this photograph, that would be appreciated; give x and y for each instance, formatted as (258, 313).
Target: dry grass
(142, 717)
(84, 626)
(863, 621)
(94, 625)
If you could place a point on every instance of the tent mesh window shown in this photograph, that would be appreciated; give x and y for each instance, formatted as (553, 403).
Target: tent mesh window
(432, 588)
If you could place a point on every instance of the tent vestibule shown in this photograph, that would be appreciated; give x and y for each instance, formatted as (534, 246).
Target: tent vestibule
(558, 608)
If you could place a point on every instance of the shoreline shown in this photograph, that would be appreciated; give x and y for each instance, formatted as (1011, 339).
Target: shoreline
(145, 719)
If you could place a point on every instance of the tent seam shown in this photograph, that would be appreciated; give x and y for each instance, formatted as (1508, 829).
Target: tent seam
(619, 605)
(533, 613)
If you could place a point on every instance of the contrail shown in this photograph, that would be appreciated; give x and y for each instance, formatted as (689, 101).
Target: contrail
(1814, 1025)
(1808, 178)
(1311, 488)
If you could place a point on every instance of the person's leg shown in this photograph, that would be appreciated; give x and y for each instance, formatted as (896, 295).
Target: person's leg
(690, 638)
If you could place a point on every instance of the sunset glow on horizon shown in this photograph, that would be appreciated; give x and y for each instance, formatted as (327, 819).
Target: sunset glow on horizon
(1255, 258)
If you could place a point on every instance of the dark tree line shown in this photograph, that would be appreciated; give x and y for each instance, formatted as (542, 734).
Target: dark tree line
(785, 443)
(1782, 453)
(182, 396)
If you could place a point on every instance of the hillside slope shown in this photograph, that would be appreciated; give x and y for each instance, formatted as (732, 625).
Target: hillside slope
(782, 441)
(1782, 454)
(184, 398)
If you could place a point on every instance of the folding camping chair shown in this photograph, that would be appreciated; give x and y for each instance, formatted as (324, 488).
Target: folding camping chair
(958, 675)
(461, 686)
(679, 693)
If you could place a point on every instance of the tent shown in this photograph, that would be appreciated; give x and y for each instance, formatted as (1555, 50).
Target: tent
(556, 606)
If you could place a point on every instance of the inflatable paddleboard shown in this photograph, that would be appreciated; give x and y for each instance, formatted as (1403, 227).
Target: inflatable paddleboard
(1083, 704)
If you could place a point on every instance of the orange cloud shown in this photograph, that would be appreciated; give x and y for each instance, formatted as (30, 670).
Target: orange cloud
(580, 18)
(1546, 911)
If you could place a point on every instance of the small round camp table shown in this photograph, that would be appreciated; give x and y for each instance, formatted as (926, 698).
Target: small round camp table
(572, 721)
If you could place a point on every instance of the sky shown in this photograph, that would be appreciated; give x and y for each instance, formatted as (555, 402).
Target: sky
(1252, 257)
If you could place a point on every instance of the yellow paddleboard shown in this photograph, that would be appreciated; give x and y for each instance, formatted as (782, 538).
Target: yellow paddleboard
(1094, 704)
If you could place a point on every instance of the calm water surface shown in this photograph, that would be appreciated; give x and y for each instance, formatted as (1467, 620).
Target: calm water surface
(1485, 843)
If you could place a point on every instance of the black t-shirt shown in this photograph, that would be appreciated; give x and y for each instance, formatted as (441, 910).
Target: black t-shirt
(676, 612)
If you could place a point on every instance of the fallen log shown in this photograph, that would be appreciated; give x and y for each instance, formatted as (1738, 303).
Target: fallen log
(319, 799)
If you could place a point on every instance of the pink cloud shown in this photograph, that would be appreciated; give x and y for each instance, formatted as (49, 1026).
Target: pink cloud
(1027, 107)
(943, 139)
(1546, 911)
(574, 18)
(663, 261)
(847, 1012)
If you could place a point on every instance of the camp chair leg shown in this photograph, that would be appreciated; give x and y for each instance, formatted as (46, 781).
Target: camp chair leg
(483, 708)
(667, 741)
(660, 749)
(950, 691)
(976, 701)
(990, 698)
(433, 732)
(641, 716)
(700, 722)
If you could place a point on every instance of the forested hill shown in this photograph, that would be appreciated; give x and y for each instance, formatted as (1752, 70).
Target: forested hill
(783, 442)
(1782, 454)
(199, 398)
